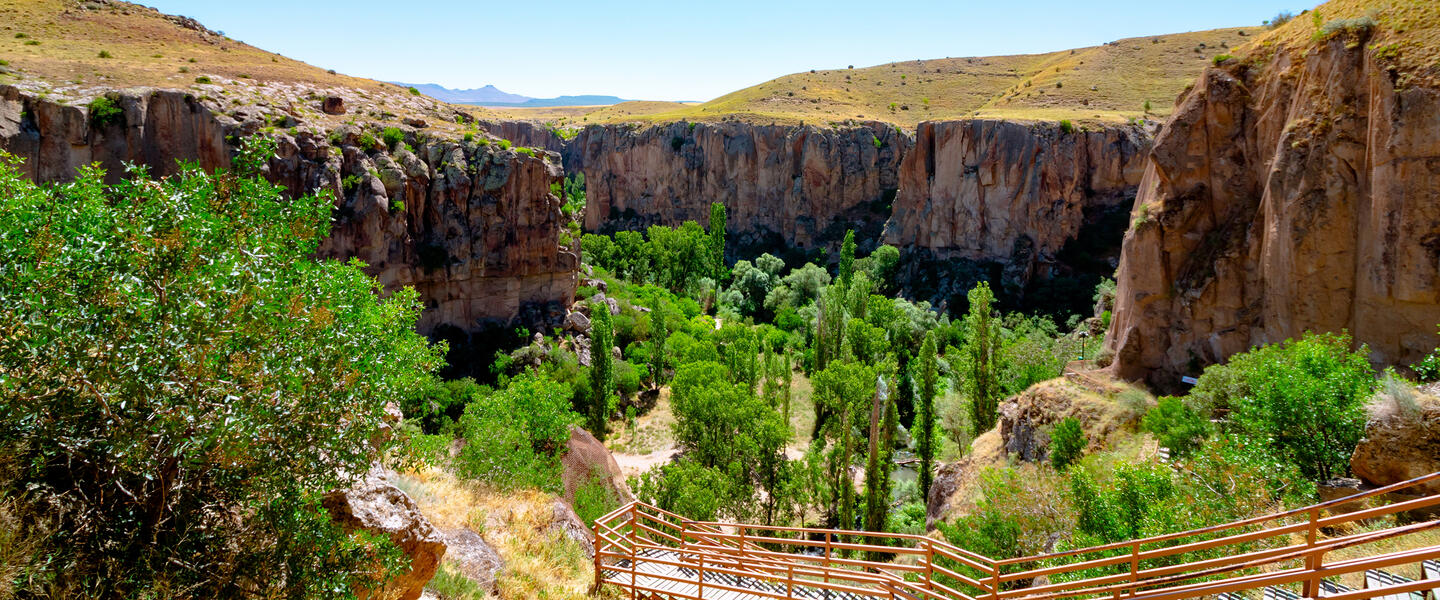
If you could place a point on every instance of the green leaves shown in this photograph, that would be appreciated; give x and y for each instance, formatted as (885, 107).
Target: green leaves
(170, 352)
(514, 437)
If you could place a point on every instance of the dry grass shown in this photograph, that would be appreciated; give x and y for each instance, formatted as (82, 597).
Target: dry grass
(540, 562)
(1102, 83)
(1406, 31)
(652, 431)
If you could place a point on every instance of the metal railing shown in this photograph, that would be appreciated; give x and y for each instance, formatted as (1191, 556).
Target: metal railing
(649, 551)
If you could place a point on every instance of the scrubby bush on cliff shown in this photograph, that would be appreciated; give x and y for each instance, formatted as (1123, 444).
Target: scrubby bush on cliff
(180, 381)
(514, 437)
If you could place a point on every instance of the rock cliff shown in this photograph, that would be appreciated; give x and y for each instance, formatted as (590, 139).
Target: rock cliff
(791, 186)
(475, 229)
(1293, 189)
(1014, 195)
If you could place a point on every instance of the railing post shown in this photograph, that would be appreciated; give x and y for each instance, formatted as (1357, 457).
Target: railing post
(930, 564)
(1134, 566)
(827, 557)
(1311, 587)
(700, 577)
(789, 580)
(995, 580)
(634, 558)
(599, 547)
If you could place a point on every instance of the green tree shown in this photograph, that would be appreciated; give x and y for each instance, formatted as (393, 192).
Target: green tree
(717, 242)
(513, 437)
(1303, 399)
(879, 463)
(181, 381)
(659, 335)
(981, 355)
(847, 258)
(925, 413)
(846, 389)
(1067, 443)
(1177, 426)
(602, 370)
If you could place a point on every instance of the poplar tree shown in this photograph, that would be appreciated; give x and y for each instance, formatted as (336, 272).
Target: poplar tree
(602, 369)
(925, 414)
(982, 385)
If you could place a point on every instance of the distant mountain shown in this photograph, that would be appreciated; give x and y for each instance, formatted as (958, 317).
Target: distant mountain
(586, 100)
(485, 95)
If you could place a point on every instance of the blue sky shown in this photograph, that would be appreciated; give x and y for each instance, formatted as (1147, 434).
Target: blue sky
(680, 49)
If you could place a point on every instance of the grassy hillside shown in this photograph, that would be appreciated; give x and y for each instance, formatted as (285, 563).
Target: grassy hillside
(1112, 82)
(1404, 33)
(74, 48)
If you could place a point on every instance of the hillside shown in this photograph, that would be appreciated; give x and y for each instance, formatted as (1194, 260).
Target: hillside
(1112, 82)
(77, 49)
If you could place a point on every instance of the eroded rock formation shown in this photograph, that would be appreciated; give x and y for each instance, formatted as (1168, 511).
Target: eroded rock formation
(1012, 194)
(375, 506)
(1293, 189)
(782, 185)
(475, 229)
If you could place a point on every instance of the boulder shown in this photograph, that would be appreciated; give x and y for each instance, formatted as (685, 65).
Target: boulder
(1400, 445)
(564, 521)
(586, 458)
(333, 105)
(470, 554)
(377, 507)
(577, 322)
(414, 122)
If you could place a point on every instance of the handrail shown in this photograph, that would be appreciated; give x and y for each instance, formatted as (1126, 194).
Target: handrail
(920, 567)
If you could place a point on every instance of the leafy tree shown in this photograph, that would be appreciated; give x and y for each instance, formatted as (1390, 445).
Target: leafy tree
(846, 389)
(1067, 443)
(602, 370)
(181, 381)
(880, 461)
(925, 413)
(883, 263)
(1177, 426)
(717, 241)
(514, 436)
(847, 258)
(659, 334)
(1303, 399)
(981, 354)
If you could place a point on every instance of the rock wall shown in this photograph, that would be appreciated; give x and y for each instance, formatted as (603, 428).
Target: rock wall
(1290, 191)
(1010, 193)
(474, 229)
(525, 133)
(792, 186)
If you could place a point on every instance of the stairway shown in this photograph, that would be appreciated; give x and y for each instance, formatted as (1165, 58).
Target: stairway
(661, 581)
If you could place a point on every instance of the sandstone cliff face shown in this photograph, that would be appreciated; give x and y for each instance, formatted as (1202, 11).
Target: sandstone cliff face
(525, 133)
(782, 185)
(1294, 194)
(478, 234)
(1010, 193)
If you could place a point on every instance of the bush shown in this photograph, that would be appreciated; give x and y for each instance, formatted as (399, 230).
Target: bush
(105, 111)
(368, 142)
(513, 437)
(202, 79)
(1177, 426)
(392, 136)
(104, 54)
(1279, 19)
(1067, 443)
(1066, 126)
(1303, 399)
(192, 378)
(595, 498)
(1220, 58)
(413, 91)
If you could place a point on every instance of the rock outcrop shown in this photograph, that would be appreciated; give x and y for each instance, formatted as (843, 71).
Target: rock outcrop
(1401, 443)
(586, 460)
(1009, 193)
(526, 133)
(783, 186)
(377, 507)
(475, 229)
(1293, 189)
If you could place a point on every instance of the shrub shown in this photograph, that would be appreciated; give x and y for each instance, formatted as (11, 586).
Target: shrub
(413, 91)
(595, 498)
(1220, 58)
(1146, 106)
(1067, 443)
(1302, 399)
(1355, 26)
(505, 144)
(104, 112)
(368, 142)
(104, 54)
(202, 79)
(392, 136)
(513, 437)
(1066, 126)
(1279, 19)
(184, 376)
(1177, 426)
(451, 584)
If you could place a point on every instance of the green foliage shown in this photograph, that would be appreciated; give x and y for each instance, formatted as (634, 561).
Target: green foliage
(1067, 443)
(436, 404)
(413, 91)
(505, 144)
(883, 262)
(1428, 369)
(924, 429)
(1018, 514)
(1177, 426)
(202, 79)
(368, 142)
(981, 358)
(602, 371)
(106, 112)
(1303, 399)
(717, 241)
(1279, 19)
(595, 498)
(105, 54)
(195, 380)
(513, 437)
(1066, 126)
(847, 258)
(451, 584)
(1220, 58)
(392, 136)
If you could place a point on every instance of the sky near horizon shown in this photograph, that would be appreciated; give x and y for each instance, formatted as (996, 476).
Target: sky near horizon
(679, 50)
